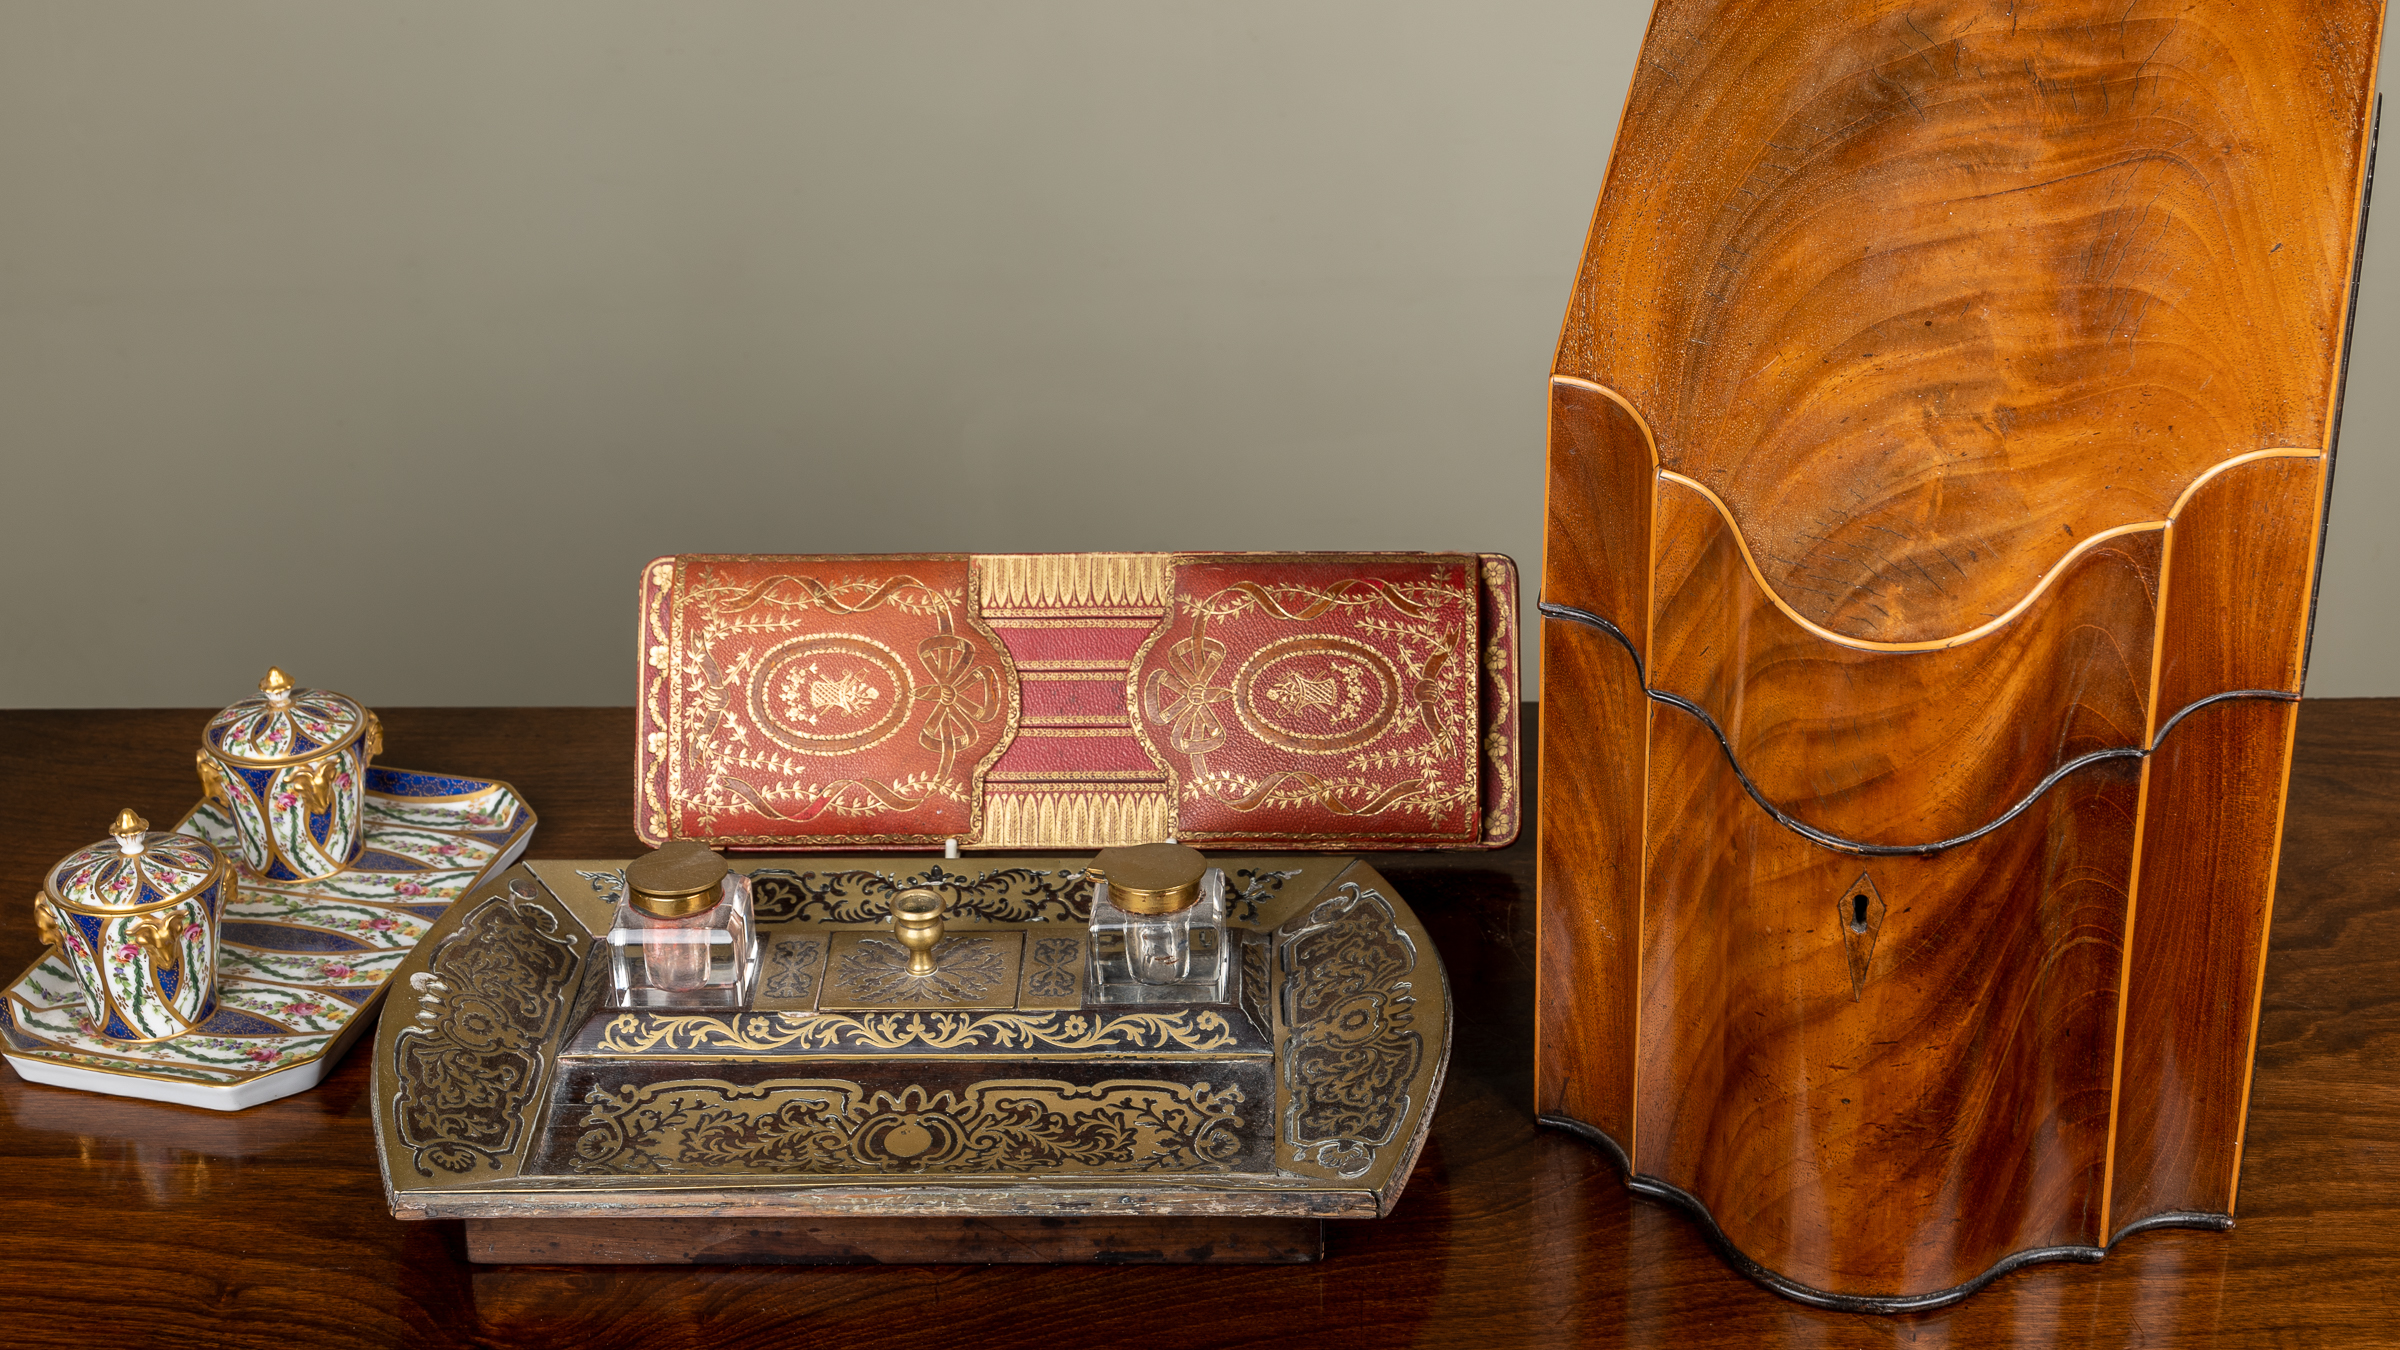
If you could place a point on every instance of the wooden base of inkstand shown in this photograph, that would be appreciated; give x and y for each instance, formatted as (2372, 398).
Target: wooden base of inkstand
(1011, 1240)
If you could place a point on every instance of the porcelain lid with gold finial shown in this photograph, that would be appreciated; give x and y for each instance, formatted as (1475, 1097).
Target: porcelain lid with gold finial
(283, 724)
(134, 869)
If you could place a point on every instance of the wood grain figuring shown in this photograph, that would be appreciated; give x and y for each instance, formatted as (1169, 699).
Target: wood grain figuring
(1590, 948)
(1951, 1113)
(2197, 958)
(2237, 613)
(1901, 747)
(1595, 553)
(135, 1224)
(1941, 423)
(1929, 294)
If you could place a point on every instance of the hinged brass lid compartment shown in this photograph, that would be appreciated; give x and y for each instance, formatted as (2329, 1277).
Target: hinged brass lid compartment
(1150, 878)
(678, 879)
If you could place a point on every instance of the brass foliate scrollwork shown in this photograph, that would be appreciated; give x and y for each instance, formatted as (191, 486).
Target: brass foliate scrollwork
(1354, 1047)
(374, 738)
(793, 974)
(468, 1067)
(917, 1031)
(962, 969)
(45, 925)
(1007, 895)
(835, 1126)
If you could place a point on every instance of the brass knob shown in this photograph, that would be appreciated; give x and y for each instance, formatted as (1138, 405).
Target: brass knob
(917, 922)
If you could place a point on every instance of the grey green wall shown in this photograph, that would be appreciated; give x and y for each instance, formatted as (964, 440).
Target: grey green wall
(385, 341)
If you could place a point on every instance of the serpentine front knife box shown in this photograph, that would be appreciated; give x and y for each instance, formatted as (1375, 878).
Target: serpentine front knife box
(1941, 432)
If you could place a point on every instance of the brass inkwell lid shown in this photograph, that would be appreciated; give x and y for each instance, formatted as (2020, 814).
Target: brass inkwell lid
(1150, 878)
(676, 880)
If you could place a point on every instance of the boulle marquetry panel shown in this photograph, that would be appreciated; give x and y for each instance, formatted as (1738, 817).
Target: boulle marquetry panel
(1941, 432)
(991, 1086)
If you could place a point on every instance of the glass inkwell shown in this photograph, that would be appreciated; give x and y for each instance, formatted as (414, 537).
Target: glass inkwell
(1158, 926)
(682, 935)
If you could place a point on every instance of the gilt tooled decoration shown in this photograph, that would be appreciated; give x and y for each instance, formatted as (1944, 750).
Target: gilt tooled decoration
(837, 1126)
(470, 1064)
(1353, 1046)
(816, 691)
(1078, 700)
(1320, 708)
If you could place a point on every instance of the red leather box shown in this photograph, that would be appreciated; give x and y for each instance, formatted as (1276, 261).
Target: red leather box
(1066, 700)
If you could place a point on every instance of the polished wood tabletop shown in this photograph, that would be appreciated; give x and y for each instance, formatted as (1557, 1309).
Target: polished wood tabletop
(136, 1223)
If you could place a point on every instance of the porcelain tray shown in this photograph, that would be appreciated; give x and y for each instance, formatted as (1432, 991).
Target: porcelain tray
(302, 966)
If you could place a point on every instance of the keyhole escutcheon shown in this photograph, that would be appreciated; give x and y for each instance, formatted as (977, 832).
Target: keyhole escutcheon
(1861, 911)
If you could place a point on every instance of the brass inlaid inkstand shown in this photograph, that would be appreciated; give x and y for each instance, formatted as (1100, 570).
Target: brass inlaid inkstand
(1009, 1059)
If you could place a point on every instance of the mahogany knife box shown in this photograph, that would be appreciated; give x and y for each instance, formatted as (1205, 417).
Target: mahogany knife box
(1941, 436)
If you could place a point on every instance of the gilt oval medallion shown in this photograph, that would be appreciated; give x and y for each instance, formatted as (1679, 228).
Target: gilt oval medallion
(830, 694)
(1317, 695)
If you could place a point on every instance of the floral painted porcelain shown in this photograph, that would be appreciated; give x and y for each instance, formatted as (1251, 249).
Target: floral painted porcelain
(135, 917)
(301, 965)
(288, 766)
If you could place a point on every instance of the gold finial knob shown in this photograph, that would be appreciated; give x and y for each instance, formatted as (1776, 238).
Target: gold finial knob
(917, 922)
(277, 686)
(128, 830)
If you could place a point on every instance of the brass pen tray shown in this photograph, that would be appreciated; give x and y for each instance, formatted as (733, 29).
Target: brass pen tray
(505, 1090)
